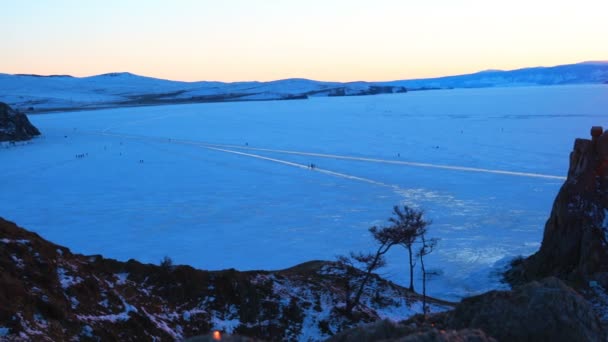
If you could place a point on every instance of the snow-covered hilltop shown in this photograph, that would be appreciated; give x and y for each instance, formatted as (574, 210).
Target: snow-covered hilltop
(34, 93)
(580, 73)
(60, 92)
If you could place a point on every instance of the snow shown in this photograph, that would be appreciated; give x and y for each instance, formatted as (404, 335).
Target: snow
(122, 278)
(87, 331)
(227, 321)
(20, 241)
(121, 316)
(28, 91)
(74, 302)
(67, 280)
(160, 324)
(18, 261)
(227, 185)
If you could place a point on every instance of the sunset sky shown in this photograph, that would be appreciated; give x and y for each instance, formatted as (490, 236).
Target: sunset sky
(332, 40)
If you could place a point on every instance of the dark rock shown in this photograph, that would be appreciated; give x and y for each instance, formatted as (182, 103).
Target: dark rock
(386, 330)
(574, 245)
(434, 335)
(14, 126)
(223, 338)
(547, 310)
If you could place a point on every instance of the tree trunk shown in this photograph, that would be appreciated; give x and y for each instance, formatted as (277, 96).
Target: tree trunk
(409, 249)
(424, 311)
(350, 306)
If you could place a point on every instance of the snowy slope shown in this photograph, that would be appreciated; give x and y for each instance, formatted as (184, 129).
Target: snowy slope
(581, 73)
(32, 93)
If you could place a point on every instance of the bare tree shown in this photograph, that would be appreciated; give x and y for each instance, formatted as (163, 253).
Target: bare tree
(370, 262)
(408, 225)
(427, 248)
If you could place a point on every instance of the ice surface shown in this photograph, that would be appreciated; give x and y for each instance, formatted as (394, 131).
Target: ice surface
(154, 180)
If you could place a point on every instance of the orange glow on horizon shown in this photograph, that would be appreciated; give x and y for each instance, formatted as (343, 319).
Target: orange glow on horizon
(260, 40)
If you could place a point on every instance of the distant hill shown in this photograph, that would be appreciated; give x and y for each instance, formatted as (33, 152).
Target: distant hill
(35, 93)
(581, 73)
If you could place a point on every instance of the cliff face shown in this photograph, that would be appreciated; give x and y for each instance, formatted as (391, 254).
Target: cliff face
(575, 244)
(48, 293)
(14, 126)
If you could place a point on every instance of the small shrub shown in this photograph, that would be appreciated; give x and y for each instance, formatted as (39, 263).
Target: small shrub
(166, 263)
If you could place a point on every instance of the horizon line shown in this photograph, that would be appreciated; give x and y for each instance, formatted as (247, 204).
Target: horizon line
(118, 73)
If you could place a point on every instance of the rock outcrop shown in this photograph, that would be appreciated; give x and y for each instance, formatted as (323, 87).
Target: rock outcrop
(546, 310)
(575, 239)
(48, 293)
(14, 126)
(386, 330)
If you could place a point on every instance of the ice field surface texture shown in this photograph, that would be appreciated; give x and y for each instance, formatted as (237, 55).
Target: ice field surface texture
(227, 185)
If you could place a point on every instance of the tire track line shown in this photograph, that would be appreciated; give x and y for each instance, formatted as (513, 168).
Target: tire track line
(397, 162)
(345, 157)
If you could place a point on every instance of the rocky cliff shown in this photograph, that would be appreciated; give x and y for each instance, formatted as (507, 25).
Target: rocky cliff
(14, 126)
(574, 246)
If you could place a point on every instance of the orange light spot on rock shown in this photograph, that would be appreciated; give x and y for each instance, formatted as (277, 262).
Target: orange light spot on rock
(217, 336)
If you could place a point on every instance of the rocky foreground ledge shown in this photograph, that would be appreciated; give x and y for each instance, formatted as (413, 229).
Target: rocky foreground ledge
(48, 293)
(14, 125)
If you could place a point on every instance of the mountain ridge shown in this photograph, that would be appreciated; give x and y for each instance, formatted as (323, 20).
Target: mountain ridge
(38, 93)
(127, 73)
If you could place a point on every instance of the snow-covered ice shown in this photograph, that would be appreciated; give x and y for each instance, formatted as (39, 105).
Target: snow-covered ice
(228, 184)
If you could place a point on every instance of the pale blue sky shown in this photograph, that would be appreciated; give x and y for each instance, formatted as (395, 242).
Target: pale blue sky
(340, 40)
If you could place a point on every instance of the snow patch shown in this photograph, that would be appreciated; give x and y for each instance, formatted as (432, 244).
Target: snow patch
(40, 321)
(18, 261)
(122, 278)
(74, 302)
(104, 303)
(122, 316)
(22, 241)
(67, 280)
(227, 321)
(162, 325)
(87, 331)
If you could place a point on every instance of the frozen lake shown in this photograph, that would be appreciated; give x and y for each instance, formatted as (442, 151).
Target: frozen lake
(226, 185)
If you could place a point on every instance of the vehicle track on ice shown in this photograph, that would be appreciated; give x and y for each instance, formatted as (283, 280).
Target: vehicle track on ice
(232, 148)
(217, 148)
